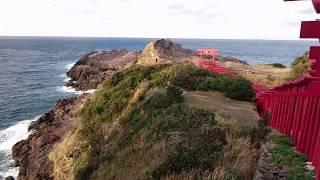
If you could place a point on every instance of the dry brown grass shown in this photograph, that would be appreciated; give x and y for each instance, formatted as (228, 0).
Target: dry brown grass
(262, 74)
(269, 80)
(239, 157)
(237, 160)
(241, 112)
(62, 164)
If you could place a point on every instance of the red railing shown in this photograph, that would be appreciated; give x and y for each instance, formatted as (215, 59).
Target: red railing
(213, 67)
(295, 111)
(207, 56)
(295, 106)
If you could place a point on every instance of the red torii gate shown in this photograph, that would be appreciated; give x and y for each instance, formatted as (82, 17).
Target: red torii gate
(207, 61)
(295, 106)
(208, 52)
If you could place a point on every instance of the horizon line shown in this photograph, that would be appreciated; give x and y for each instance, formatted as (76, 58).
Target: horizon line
(53, 36)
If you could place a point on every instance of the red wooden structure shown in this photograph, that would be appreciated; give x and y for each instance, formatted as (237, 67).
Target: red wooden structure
(208, 62)
(295, 106)
(208, 53)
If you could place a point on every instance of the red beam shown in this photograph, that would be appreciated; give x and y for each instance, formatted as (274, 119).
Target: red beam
(315, 60)
(316, 4)
(310, 29)
(315, 53)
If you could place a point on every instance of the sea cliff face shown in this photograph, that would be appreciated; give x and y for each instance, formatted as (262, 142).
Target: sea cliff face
(31, 155)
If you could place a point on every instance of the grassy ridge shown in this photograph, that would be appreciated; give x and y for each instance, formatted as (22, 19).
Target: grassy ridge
(137, 126)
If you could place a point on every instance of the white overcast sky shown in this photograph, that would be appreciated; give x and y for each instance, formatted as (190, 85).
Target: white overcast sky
(223, 19)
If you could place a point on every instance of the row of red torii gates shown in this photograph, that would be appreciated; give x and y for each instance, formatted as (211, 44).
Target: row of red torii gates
(294, 107)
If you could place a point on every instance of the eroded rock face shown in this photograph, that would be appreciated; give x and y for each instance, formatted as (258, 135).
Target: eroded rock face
(31, 155)
(94, 67)
(164, 51)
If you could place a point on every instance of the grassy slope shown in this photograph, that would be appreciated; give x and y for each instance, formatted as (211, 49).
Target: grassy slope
(243, 111)
(284, 156)
(138, 127)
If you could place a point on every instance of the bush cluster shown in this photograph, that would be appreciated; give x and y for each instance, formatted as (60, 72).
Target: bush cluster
(300, 66)
(191, 78)
(277, 65)
(259, 135)
(156, 114)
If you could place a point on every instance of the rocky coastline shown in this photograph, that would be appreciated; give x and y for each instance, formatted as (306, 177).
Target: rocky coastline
(31, 155)
(94, 67)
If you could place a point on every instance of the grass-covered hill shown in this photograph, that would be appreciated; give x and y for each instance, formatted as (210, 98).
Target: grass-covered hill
(137, 126)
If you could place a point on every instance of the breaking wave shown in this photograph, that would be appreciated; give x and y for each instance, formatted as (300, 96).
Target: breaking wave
(8, 138)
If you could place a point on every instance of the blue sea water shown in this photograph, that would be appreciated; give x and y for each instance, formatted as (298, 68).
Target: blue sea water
(32, 73)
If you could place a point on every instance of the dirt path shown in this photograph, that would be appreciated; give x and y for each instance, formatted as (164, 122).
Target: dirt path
(245, 112)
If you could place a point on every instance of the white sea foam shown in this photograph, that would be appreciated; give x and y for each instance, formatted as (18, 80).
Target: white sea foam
(74, 91)
(69, 66)
(9, 137)
(67, 79)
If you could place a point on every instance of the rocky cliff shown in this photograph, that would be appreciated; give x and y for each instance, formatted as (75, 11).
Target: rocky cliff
(31, 155)
(94, 67)
(165, 51)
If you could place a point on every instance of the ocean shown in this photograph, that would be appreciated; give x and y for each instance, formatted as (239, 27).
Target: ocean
(33, 73)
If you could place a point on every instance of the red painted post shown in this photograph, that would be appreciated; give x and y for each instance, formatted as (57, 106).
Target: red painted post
(288, 106)
(316, 157)
(291, 114)
(284, 125)
(316, 129)
(305, 124)
(281, 113)
(311, 123)
(315, 58)
(274, 111)
(297, 119)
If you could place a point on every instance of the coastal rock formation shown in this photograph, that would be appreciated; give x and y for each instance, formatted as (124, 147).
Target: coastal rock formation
(31, 155)
(94, 67)
(225, 59)
(165, 51)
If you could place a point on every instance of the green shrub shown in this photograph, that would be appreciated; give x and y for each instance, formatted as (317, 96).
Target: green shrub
(259, 135)
(284, 156)
(192, 78)
(277, 65)
(239, 89)
(300, 66)
(200, 139)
